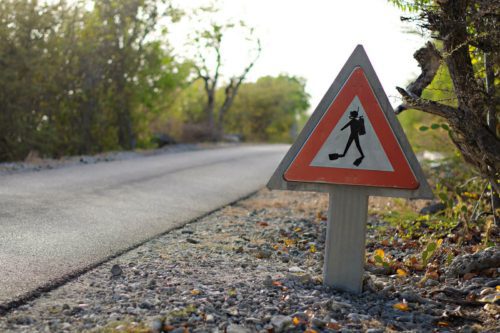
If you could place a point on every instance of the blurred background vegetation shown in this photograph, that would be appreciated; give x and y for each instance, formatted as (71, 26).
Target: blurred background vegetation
(80, 79)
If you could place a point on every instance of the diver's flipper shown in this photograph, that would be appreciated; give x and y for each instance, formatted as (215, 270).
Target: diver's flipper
(358, 161)
(334, 156)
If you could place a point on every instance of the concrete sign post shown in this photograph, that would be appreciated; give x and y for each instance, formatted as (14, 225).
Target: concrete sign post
(352, 147)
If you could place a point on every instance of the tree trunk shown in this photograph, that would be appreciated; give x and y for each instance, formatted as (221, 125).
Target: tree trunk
(470, 132)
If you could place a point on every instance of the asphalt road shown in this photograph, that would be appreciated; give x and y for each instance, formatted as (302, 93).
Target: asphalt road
(55, 223)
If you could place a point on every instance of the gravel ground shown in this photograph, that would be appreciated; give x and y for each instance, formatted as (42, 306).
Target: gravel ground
(254, 266)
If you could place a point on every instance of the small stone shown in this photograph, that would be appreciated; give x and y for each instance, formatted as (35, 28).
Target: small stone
(66, 326)
(179, 330)
(375, 330)
(114, 316)
(263, 254)
(296, 269)
(192, 241)
(431, 283)
(358, 317)
(152, 284)
(156, 325)
(116, 271)
(23, 320)
(318, 323)
(433, 208)
(237, 329)
(209, 318)
(146, 305)
(252, 320)
(280, 323)
(268, 281)
(339, 306)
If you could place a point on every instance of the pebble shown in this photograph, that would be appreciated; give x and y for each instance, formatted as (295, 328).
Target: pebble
(280, 323)
(116, 271)
(237, 329)
(296, 269)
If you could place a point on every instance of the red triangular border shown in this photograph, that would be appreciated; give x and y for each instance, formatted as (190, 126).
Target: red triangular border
(300, 169)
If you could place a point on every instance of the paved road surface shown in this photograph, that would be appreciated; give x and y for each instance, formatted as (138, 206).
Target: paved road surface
(57, 222)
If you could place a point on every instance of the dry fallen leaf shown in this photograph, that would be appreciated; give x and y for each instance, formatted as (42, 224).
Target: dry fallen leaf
(443, 324)
(433, 275)
(195, 292)
(277, 283)
(401, 272)
(469, 276)
(333, 326)
(296, 321)
(402, 306)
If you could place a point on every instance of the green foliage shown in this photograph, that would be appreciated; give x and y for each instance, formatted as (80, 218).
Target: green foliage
(76, 81)
(411, 6)
(269, 109)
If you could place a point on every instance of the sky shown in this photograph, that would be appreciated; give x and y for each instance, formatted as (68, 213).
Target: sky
(314, 38)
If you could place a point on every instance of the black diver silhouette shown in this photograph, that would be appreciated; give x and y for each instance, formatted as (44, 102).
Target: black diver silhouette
(357, 125)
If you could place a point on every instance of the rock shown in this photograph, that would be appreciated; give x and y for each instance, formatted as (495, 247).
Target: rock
(431, 283)
(178, 330)
(114, 316)
(375, 330)
(318, 323)
(412, 297)
(378, 270)
(264, 254)
(280, 323)
(252, 320)
(116, 271)
(463, 264)
(23, 320)
(237, 329)
(268, 281)
(296, 269)
(66, 326)
(339, 306)
(192, 241)
(146, 305)
(209, 318)
(433, 208)
(156, 326)
(358, 317)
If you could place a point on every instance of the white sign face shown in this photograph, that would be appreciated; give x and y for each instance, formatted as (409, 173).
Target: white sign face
(347, 147)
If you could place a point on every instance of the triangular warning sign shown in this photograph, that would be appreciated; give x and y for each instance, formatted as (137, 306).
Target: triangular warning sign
(325, 158)
(342, 141)
(354, 139)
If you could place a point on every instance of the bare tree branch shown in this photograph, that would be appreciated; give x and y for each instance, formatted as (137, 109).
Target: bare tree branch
(411, 101)
(429, 60)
